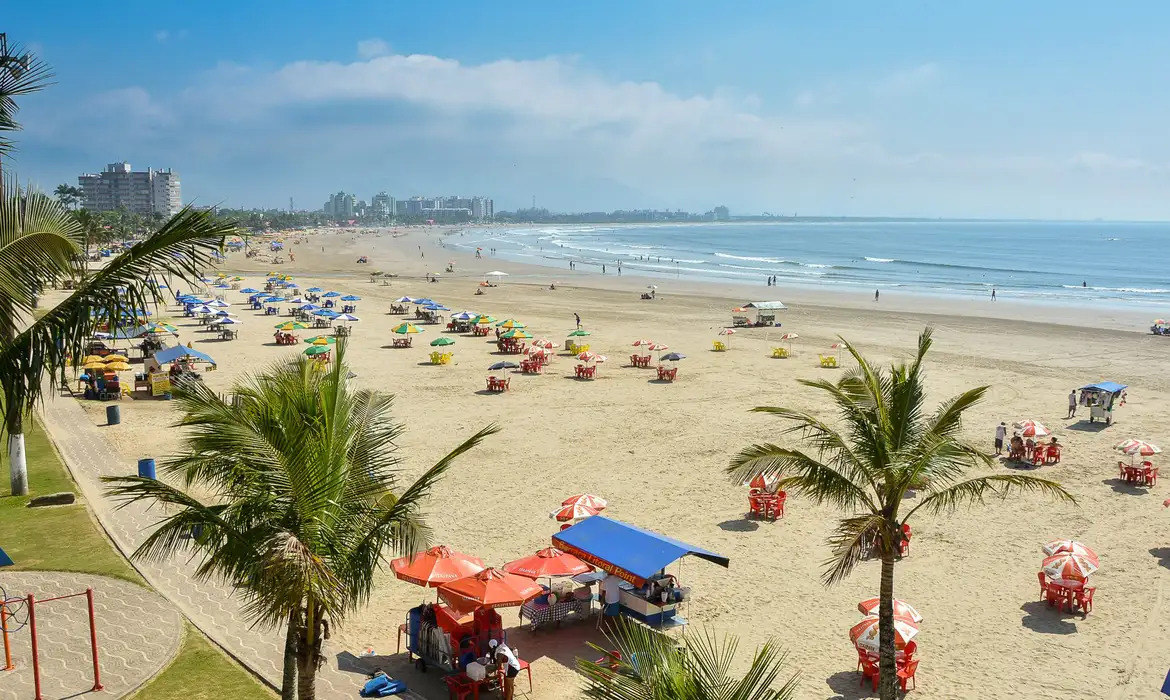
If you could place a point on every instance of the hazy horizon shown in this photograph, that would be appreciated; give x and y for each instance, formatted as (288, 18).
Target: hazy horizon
(991, 111)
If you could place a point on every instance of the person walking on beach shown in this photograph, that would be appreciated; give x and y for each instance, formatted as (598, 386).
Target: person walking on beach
(993, 293)
(578, 317)
(876, 293)
(1000, 434)
(1072, 404)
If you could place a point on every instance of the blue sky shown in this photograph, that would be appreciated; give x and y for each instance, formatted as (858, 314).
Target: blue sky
(986, 109)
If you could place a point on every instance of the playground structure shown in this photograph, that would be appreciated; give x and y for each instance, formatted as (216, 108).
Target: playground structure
(10, 614)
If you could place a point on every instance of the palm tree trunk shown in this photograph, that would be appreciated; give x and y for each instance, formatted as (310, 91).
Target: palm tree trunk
(17, 466)
(288, 684)
(309, 653)
(887, 689)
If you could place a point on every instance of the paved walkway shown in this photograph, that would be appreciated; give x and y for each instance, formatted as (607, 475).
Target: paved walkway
(211, 607)
(138, 633)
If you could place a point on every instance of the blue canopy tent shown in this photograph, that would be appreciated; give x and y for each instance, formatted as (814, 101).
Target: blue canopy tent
(1099, 398)
(627, 551)
(179, 351)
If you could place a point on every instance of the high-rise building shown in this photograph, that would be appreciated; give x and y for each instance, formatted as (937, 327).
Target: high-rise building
(342, 205)
(120, 187)
(482, 208)
(382, 205)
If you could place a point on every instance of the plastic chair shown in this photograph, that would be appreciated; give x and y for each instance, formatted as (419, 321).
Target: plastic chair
(869, 670)
(1053, 455)
(525, 667)
(1037, 456)
(1043, 585)
(862, 658)
(1152, 477)
(1121, 470)
(458, 688)
(907, 674)
(1084, 598)
(904, 545)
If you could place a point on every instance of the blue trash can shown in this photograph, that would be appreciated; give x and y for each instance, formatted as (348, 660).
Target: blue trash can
(113, 415)
(146, 467)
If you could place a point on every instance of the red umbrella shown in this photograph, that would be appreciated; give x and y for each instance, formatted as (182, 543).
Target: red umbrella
(547, 562)
(574, 512)
(436, 566)
(586, 499)
(759, 482)
(490, 588)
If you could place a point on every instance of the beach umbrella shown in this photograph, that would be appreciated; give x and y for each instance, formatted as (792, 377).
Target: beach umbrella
(673, 356)
(642, 342)
(218, 303)
(321, 340)
(223, 313)
(349, 318)
(490, 588)
(1069, 567)
(790, 337)
(726, 331)
(495, 273)
(1159, 322)
(579, 333)
(442, 342)
(326, 313)
(548, 562)
(226, 321)
(249, 290)
(864, 634)
(436, 566)
(203, 309)
(483, 320)
(517, 333)
(1031, 428)
(509, 324)
(659, 348)
(315, 290)
(436, 307)
(405, 327)
(161, 328)
(837, 347)
(569, 513)
(463, 316)
(503, 365)
(94, 365)
(869, 606)
(115, 357)
(423, 301)
(1137, 448)
(590, 356)
(275, 299)
(331, 294)
(92, 358)
(759, 481)
(545, 344)
(404, 300)
(222, 285)
(237, 278)
(310, 307)
(117, 366)
(291, 326)
(351, 297)
(1071, 546)
(586, 499)
(291, 285)
(316, 350)
(296, 300)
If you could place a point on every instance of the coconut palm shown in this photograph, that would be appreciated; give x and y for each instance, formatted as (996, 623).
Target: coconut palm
(299, 499)
(649, 665)
(42, 243)
(887, 444)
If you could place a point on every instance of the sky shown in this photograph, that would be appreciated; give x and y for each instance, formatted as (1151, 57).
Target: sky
(986, 109)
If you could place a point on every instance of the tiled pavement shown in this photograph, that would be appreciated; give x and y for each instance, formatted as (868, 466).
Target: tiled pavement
(210, 606)
(138, 633)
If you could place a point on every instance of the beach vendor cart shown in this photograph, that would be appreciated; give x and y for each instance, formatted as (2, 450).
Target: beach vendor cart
(1101, 398)
(765, 312)
(639, 558)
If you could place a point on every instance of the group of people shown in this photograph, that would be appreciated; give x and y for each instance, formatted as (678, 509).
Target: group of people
(1018, 445)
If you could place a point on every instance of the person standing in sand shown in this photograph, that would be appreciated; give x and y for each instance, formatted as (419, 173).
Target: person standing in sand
(876, 293)
(1000, 434)
(578, 317)
(1072, 404)
(993, 293)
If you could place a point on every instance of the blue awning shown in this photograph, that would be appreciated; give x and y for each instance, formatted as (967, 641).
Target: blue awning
(625, 550)
(178, 351)
(1110, 387)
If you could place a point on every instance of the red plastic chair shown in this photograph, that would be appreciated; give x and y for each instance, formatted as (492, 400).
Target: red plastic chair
(904, 544)
(1043, 585)
(1037, 456)
(776, 505)
(1053, 455)
(1152, 477)
(906, 673)
(910, 650)
(862, 658)
(1084, 598)
(869, 670)
(458, 688)
(525, 667)
(756, 505)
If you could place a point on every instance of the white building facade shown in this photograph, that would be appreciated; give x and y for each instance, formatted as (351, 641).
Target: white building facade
(144, 192)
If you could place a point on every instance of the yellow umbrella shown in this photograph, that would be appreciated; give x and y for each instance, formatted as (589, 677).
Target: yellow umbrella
(94, 365)
(93, 358)
(118, 367)
(117, 358)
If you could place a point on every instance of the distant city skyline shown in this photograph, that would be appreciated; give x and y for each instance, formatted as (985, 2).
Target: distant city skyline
(989, 110)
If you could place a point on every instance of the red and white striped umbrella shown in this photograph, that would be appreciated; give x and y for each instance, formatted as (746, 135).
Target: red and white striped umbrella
(545, 343)
(1070, 546)
(565, 514)
(864, 634)
(643, 342)
(586, 499)
(727, 331)
(1068, 567)
(1032, 428)
(590, 356)
(790, 336)
(1134, 447)
(659, 347)
(869, 606)
(837, 346)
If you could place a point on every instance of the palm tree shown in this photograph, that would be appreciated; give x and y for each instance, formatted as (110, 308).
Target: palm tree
(40, 243)
(68, 195)
(303, 502)
(21, 73)
(888, 444)
(649, 665)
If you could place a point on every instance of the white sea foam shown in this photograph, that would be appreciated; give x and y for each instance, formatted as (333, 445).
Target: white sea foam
(749, 258)
(880, 260)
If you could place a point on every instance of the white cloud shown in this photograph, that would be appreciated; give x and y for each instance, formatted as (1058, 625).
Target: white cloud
(372, 48)
(162, 35)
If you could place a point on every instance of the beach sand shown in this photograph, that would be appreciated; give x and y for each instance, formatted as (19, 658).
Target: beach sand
(657, 453)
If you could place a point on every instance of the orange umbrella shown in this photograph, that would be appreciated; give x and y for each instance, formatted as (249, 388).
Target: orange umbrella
(547, 562)
(586, 499)
(490, 588)
(865, 633)
(759, 482)
(436, 566)
(869, 606)
(575, 511)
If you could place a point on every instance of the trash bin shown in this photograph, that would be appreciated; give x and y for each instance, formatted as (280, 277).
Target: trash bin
(146, 467)
(113, 415)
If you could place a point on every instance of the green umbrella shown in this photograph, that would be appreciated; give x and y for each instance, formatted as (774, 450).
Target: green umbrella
(483, 319)
(322, 340)
(517, 333)
(291, 326)
(510, 324)
(316, 350)
(404, 328)
(578, 333)
(442, 341)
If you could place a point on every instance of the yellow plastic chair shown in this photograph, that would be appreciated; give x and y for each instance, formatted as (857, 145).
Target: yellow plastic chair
(718, 346)
(780, 353)
(436, 358)
(446, 358)
(828, 360)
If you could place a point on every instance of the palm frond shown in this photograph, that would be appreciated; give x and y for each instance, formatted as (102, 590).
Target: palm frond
(974, 491)
(848, 543)
(26, 74)
(801, 473)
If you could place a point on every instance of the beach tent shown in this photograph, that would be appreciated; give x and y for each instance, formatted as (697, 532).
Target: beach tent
(497, 274)
(625, 550)
(765, 311)
(180, 351)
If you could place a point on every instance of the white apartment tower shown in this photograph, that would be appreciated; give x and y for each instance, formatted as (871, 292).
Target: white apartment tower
(143, 192)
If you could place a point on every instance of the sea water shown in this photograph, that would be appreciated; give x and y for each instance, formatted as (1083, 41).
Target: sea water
(1115, 263)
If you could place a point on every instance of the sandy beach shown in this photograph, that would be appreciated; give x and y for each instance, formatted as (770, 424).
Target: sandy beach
(657, 453)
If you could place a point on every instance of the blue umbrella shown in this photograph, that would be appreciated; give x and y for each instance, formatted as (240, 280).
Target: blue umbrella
(326, 313)
(351, 297)
(503, 365)
(424, 301)
(314, 289)
(291, 285)
(331, 294)
(346, 317)
(249, 290)
(673, 356)
(221, 285)
(436, 307)
(275, 299)
(310, 307)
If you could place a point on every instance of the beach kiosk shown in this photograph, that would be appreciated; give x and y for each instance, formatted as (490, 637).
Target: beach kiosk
(765, 311)
(638, 557)
(1100, 398)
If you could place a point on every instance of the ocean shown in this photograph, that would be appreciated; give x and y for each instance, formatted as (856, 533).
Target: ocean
(1125, 264)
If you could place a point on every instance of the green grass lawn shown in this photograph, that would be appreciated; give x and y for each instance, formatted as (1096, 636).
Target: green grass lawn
(66, 538)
